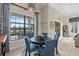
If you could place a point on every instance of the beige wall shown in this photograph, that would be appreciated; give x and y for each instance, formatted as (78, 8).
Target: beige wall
(44, 18)
(48, 15)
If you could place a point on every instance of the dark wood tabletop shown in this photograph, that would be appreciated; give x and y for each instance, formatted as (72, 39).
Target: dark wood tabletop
(38, 40)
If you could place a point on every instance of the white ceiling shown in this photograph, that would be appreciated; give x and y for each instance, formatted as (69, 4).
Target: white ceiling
(42, 4)
(67, 9)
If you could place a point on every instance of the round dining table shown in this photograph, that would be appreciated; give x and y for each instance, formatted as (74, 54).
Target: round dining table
(40, 41)
(37, 42)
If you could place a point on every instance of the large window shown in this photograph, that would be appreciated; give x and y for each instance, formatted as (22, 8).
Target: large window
(17, 26)
(29, 24)
(75, 27)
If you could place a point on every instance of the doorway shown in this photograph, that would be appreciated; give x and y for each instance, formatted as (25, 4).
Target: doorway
(57, 27)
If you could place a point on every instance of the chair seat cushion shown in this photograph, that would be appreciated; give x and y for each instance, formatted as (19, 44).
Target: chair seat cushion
(32, 47)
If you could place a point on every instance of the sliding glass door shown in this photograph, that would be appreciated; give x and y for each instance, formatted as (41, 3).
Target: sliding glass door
(18, 24)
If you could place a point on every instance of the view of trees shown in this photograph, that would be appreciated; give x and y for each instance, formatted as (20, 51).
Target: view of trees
(17, 26)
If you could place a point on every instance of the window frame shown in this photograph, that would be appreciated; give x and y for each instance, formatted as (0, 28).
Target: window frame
(26, 17)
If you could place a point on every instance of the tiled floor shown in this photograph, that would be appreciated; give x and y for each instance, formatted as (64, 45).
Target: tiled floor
(68, 48)
(18, 50)
(16, 44)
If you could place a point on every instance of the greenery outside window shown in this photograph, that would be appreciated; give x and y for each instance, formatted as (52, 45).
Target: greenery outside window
(17, 25)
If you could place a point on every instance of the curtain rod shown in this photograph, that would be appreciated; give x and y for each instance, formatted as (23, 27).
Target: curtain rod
(22, 7)
(19, 6)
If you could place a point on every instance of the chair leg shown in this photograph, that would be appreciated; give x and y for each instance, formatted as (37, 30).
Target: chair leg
(29, 53)
(26, 53)
(56, 51)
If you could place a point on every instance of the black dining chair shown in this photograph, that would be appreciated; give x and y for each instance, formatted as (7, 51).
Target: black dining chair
(48, 50)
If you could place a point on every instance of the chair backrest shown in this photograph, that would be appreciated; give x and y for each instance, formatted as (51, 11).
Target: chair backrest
(27, 42)
(30, 34)
(45, 34)
(49, 48)
(56, 37)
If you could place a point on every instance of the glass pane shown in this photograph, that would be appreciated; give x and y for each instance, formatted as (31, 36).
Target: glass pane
(13, 25)
(26, 21)
(19, 20)
(74, 27)
(19, 28)
(32, 21)
(12, 19)
(32, 26)
(12, 16)
(13, 32)
(26, 26)
(19, 25)
(13, 37)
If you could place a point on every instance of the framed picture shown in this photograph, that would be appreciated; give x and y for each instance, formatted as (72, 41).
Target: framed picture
(65, 31)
